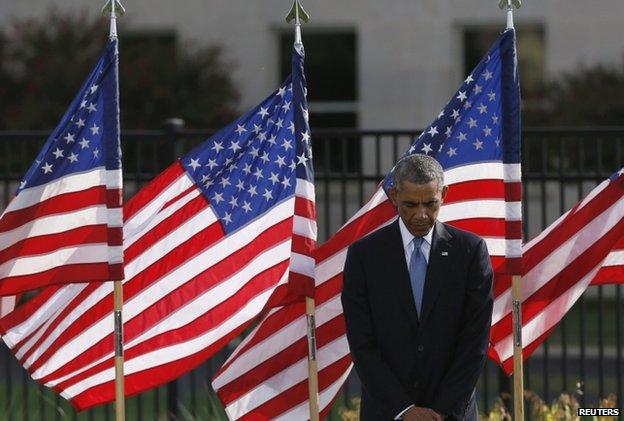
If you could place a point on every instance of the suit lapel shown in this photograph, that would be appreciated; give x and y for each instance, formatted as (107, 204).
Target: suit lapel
(437, 268)
(395, 257)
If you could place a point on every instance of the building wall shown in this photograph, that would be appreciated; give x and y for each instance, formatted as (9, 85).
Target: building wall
(409, 51)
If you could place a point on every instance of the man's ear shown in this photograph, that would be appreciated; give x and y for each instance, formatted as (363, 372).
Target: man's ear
(444, 192)
(393, 195)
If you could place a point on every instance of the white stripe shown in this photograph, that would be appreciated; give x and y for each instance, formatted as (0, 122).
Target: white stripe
(503, 247)
(615, 258)
(510, 211)
(172, 280)
(42, 314)
(87, 253)
(138, 221)
(115, 255)
(305, 189)
(300, 263)
(547, 318)
(162, 214)
(68, 184)
(115, 217)
(378, 198)
(483, 171)
(174, 352)
(54, 224)
(304, 227)
(114, 179)
(7, 304)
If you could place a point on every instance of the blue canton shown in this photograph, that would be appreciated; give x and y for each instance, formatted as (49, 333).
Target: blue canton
(253, 163)
(88, 135)
(472, 127)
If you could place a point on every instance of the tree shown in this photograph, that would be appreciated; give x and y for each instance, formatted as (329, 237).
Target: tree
(588, 96)
(43, 62)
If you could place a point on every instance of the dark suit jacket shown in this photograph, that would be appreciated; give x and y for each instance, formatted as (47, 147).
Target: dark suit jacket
(432, 361)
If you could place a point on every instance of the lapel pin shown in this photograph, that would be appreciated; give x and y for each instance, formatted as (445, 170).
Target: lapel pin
(445, 253)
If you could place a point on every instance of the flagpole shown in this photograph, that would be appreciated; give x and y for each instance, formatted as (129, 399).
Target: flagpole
(120, 404)
(516, 293)
(297, 13)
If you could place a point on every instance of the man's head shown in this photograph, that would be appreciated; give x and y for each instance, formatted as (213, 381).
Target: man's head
(418, 192)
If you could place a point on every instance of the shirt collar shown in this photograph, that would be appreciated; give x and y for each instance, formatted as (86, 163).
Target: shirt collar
(407, 236)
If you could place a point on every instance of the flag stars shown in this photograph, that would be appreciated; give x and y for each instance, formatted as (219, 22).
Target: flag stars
(69, 138)
(246, 206)
(22, 184)
(267, 194)
(265, 157)
(240, 185)
(274, 178)
(301, 159)
(285, 182)
(218, 146)
(272, 140)
(487, 74)
(426, 148)
(254, 151)
(247, 169)
(286, 106)
(291, 127)
(258, 174)
(482, 108)
(58, 153)
(194, 164)
(462, 96)
(497, 141)
(461, 137)
(305, 136)
(472, 123)
(263, 112)
(467, 105)
(280, 123)
(217, 198)
(477, 89)
(491, 95)
(281, 91)
(487, 131)
(73, 158)
(455, 114)
(240, 129)
(495, 119)
(478, 144)
(252, 191)
(96, 153)
(93, 89)
(227, 218)
(287, 144)
(211, 164)
(84, 143)
(234, 147)
(280, 161)
(449, 131)
(83, 103)
(469, 79)
(233, 202)
(80, 123)
(441, 114)
(451, 152)
(433, 131)
(47, 168)
(225, 181)
(92, 108)
(95, 129)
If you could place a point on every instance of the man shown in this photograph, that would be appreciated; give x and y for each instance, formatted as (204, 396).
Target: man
(417, 303)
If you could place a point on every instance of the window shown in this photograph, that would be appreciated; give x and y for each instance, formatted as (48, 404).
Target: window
(332, 81)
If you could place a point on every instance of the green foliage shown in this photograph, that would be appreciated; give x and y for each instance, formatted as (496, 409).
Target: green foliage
(589, 96)
(44, 61)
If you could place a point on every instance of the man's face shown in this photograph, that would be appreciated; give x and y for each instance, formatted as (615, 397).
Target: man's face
(418, 205)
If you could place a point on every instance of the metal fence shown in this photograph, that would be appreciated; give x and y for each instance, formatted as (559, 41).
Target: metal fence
(583, 355)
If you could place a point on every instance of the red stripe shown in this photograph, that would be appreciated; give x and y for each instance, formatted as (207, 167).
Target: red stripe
(202, 324)
(303, 245)
(115, 236)
(508, 365)
(44, 244)
(82, 272)
(513, 191)
(152, 189)
(562, 281)
(165, 227)
(26, 310)
(305, 207)
(63, 203)
(186, 192)
(572, 224)
(114, 198)
(204, 281)
(481, 190)
(609, 275)
(490, 227)
(356, 229)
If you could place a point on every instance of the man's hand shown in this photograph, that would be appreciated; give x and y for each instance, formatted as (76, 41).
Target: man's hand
(417, 413)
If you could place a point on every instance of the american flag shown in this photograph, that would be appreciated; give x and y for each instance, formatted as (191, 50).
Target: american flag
(584, 247)
(206, 243)
(64, 224)
(476, 138)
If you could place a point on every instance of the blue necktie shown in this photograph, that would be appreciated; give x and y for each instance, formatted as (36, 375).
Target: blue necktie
(418, 272)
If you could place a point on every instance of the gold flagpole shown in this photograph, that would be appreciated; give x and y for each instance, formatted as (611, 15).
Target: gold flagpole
(114, 7)
(516, 288)
(298, 14)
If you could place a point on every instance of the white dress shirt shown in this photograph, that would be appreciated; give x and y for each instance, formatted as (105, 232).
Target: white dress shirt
(408, 248)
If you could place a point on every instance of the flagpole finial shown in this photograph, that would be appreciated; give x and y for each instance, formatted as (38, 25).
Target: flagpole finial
(298, 14)
(113, 8)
